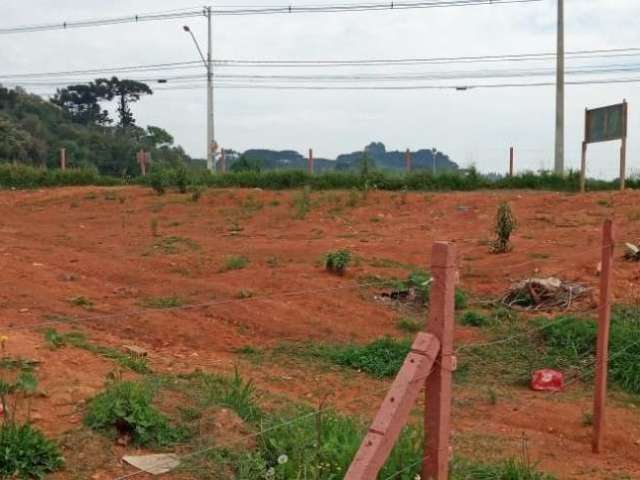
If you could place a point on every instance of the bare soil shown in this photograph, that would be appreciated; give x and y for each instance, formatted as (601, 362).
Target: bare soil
(120, 247)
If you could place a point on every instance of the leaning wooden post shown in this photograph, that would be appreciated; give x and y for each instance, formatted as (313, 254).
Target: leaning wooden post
(63, 159)
(583, 167)
(407, 160)
(511, 161)
(310, 162)
(440, 324)
(602, 349)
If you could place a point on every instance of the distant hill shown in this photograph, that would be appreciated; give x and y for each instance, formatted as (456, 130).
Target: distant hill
(382, 159)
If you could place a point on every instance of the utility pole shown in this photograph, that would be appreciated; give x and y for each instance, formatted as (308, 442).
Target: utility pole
(211, 141)
(559, 156)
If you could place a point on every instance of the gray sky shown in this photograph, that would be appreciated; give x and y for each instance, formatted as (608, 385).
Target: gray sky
(475, 126)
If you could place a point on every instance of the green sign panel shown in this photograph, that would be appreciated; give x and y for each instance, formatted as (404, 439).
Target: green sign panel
(606, 123)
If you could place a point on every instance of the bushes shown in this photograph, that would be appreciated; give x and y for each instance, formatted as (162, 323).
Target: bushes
(504, 227)
(337, 262)
(125, 408)
(24, 176)
(26, 453)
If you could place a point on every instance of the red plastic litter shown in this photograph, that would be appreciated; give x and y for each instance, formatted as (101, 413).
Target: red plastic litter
(547, 380)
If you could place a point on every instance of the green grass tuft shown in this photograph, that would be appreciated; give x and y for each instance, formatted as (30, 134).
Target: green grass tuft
(234, 262)
(26, 453)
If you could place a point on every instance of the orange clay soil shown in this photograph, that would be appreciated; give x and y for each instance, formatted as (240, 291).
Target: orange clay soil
(121, 248)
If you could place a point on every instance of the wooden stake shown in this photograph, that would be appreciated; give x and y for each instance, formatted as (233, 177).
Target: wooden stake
(583, 167)
(623, 164)
(602, 349)
(310, 162)
(511, 161)
(437, 418)
(407, 160)
(63, 159)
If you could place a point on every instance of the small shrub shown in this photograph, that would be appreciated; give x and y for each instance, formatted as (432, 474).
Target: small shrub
(82, 301)
(474, 319)
(158, 181)
(337, 262)
(125, 408)
(26, 453)
(181, 179)
(234, 262)
(505, 226)
(196, 194)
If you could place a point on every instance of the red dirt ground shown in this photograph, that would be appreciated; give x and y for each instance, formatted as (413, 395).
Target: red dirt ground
(64, 243)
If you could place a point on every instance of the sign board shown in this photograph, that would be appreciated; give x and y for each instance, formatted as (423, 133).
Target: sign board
(606, 123)
(602, 125)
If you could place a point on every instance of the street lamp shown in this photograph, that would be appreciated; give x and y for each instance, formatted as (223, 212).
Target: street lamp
(211, 144)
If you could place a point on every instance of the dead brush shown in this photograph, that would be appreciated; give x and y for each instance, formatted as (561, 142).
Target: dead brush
(506, 224)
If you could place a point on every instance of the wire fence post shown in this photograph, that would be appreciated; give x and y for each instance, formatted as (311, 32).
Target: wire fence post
(63, 159)
(511, 161)
(602, 349)
(440, 324)
(310, 162)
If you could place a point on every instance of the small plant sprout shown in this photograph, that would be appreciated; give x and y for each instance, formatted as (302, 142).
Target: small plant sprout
(337, 262)
(505, 226)
(3, 344)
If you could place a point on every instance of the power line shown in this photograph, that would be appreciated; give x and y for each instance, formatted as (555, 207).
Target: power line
(180, 14)
(232, 63)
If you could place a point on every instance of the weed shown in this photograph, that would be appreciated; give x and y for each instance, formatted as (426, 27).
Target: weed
(91, 196)
(26, 453)
(125, 409)
(409, 324)
(505, 225)
(474, 319)
(274, 203)
(273, 262)
(154, 227)
(174, 244)
(234, 262)
(375, 219)
(337, 262)
(196, 194)
(587, 419)
(353, 199)
(82, 301)
(163, 302)
(604, 203)
(109, 195)
(511, 469)
(492, 396)
(244, 294)
(302, 203)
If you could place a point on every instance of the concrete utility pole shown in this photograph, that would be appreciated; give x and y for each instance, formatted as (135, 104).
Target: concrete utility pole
(559, 151)
(211, 139)
(212, 146)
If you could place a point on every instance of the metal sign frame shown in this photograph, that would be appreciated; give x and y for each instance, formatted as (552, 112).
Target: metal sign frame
(592, 136)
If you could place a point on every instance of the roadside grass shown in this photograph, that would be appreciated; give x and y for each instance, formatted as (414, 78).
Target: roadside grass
(234, 262)
(172, 301)
(76, 339)
(409, 324)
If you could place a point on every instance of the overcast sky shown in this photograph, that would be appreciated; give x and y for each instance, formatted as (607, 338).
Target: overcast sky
(475, 126)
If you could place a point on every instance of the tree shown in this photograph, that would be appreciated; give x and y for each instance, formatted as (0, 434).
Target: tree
(127, 92)
(82, 102)
(158, 137)
(246, 164)
(15, 143)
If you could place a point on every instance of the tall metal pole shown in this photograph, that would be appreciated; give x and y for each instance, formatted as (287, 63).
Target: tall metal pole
(211, 145)
(559, 151)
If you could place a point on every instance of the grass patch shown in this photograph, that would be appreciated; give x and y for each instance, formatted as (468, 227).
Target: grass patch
(510, 469)
(163, 302)
(337, 261)
(57, 340)
(471, 318)
(125, 408)
(302, 203)
(234, 262)
(26, 453)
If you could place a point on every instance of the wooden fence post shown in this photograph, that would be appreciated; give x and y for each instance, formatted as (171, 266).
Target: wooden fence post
(583, 167)
(63, 159)
(511, 161)
(310, 162)
(407, 160)
(223, 161)
(602, 349)
(437, 418)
